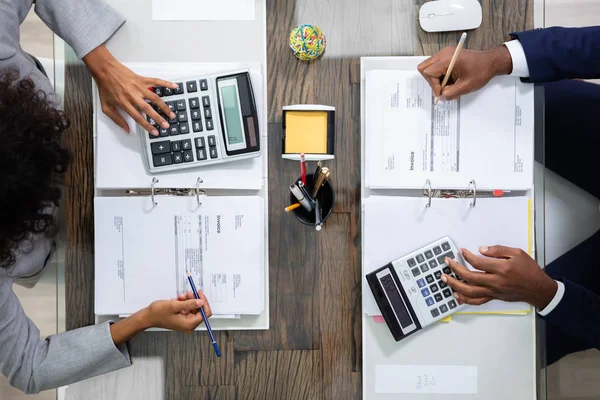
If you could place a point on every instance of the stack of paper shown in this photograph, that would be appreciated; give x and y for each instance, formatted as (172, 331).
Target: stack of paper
(486, 136)
(144, 252)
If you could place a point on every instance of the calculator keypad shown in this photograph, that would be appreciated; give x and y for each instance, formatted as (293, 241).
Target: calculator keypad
(192, 114)
(427, 267)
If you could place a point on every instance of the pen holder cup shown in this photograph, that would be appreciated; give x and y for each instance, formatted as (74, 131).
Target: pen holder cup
(326, 197)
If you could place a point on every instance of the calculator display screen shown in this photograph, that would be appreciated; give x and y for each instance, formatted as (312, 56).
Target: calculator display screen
(396, 301)
(231, 108)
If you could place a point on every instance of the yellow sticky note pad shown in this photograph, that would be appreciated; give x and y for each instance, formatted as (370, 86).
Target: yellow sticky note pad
(306, 132)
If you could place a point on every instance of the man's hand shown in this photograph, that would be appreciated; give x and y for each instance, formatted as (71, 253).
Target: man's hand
(508, 274)
(472, 70)
(121, 87)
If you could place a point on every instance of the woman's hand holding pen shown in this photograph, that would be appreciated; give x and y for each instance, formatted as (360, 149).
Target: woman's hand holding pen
(119, 87)
(180, 314)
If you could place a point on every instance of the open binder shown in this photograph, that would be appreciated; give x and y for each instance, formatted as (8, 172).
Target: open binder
(209, 221)
(404, 209)
(442, 154)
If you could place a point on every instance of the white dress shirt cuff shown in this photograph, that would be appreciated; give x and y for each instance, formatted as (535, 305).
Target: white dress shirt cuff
(555, 300)
(519, 61)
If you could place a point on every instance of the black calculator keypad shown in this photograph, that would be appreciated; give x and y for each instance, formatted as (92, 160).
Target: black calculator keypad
(178, 157)
(191, 86)
(201, 153)
(441, 259)
(188, 156)
(196, 115)
(427, 267)
(186, 144)
(175, 145)
(197, 126)
(179, 89)
(209, 125)
(206, 101)
(160, 160)
(161, 147)
(194, 102)
(203, 84)
(184, 128)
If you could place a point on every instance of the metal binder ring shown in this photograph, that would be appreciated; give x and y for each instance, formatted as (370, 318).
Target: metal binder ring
(154, 181)
(429, 192)
(472, 183)
(199, 191)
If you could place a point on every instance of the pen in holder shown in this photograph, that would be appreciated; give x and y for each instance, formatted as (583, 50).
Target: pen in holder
(325, 199)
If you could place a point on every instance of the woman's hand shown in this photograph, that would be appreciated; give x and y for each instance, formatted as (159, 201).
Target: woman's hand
(179, 314)
(121, 87)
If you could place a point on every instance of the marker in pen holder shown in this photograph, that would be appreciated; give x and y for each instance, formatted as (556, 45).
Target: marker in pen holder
(326, 197)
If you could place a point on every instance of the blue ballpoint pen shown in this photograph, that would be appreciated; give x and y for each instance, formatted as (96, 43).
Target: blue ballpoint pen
(208, 328)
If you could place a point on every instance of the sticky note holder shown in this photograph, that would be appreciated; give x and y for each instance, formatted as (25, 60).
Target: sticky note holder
(308, 129)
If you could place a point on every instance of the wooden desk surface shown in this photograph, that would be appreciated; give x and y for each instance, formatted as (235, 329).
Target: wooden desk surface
(313, 349)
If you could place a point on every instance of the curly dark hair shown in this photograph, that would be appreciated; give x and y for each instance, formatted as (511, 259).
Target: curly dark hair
(32, 162)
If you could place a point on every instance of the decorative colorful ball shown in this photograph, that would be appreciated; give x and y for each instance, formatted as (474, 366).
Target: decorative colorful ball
(307, 42)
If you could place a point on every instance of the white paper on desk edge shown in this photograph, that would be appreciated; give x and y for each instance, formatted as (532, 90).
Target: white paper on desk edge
(426, 379)
(203, 10)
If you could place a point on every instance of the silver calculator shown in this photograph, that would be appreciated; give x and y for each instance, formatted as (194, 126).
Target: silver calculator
(409, 291)
(216, 121)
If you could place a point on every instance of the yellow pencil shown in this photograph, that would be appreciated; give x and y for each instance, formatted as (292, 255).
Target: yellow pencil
(459, 47)
(292, 207)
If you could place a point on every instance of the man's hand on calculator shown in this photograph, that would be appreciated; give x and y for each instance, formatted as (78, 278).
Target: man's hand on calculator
(120, 87)
(502, 273)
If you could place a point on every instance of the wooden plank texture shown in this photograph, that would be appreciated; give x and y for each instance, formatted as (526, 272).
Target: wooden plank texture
(313, 349)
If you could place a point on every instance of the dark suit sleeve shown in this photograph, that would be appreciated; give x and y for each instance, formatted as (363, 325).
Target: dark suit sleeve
(561, 53)
(578, 313)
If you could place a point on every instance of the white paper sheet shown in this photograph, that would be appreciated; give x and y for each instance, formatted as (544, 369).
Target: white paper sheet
(143, 252)
(486, 135)
(203, 10)
(119, 160)
(395, 226)
(426, 379)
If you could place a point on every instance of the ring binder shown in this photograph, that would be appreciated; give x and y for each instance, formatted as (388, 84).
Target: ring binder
(451, 193)
(429, 192)
(154, 181)
(472, 183)
(199, 191)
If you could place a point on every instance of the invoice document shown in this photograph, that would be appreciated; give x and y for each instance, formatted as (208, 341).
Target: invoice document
(144, 252)
(486, 136)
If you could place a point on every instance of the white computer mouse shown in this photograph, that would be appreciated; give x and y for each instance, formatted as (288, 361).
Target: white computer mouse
(450, 15)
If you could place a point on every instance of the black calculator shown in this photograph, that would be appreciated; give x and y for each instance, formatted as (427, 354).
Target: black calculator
(216, 121)
(409, 291)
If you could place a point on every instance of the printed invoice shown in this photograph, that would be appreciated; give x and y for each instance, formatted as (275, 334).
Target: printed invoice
(486, 136)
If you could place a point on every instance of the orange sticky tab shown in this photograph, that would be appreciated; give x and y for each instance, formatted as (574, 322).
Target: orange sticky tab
(378, 319)
(498, 193)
